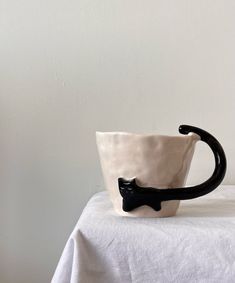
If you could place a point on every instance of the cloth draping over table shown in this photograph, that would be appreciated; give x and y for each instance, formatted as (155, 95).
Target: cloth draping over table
(197, 245)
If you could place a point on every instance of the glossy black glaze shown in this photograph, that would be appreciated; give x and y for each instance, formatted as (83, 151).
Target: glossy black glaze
(135, 196)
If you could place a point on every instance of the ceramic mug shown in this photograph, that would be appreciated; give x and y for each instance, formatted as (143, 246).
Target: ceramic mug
(145, 174)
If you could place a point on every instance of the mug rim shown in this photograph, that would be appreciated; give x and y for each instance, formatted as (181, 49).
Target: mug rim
(124, 133)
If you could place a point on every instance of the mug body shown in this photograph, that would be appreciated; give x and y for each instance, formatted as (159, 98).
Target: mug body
(154, 160)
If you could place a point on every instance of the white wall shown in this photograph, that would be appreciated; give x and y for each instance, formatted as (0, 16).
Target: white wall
(69, 68)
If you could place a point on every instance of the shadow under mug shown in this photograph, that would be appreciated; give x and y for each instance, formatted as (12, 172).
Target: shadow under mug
(145, 174)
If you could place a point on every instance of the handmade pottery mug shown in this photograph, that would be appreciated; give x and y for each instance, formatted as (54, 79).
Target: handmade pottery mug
(145, 174)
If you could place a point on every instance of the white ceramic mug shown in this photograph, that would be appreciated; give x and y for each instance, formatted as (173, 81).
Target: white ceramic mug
(153, 161)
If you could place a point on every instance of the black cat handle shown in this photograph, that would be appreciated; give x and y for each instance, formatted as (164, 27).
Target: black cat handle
(135, 196)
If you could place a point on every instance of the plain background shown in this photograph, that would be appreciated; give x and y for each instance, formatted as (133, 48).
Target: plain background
(69, 68)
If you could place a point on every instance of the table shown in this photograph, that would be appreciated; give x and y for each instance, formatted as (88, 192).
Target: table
(197, 245)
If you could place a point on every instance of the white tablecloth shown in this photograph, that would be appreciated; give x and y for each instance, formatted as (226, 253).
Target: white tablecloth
(197, 245)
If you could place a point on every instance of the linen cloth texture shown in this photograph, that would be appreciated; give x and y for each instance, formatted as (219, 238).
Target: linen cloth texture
(197, 245)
